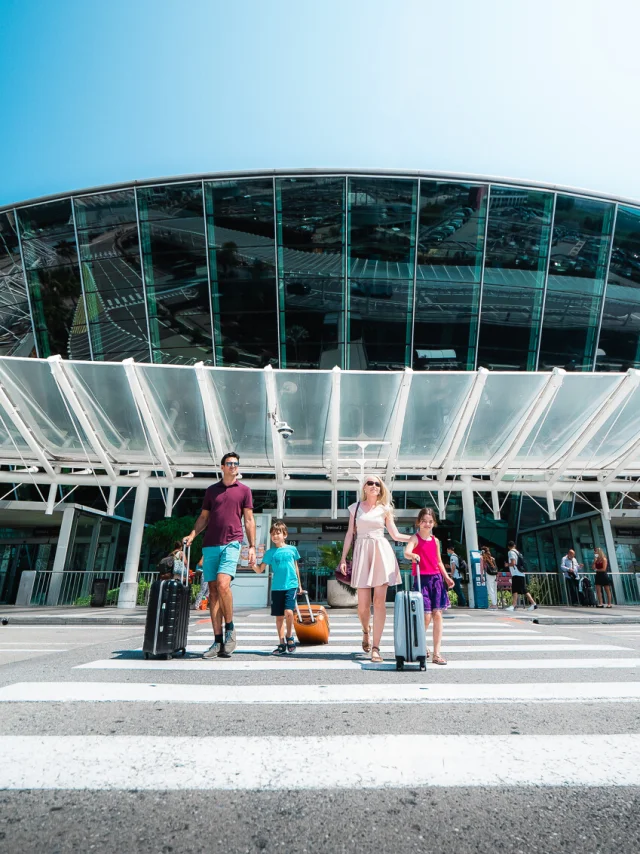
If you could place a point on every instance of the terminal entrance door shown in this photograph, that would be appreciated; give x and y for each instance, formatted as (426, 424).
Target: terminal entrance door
(16, 558)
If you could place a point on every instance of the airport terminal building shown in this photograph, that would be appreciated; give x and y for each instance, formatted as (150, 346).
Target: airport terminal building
(475, 341)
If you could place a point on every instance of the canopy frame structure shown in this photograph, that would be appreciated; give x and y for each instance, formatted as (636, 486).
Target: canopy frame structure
(534, 443)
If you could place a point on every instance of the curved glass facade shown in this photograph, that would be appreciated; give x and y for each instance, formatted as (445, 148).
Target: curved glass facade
(307, 270)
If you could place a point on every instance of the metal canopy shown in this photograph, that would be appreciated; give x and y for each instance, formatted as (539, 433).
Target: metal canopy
(120, 423)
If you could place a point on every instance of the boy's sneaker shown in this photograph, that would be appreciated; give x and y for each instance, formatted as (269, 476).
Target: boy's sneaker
(230, 642)
(509, 608)
(532, 607)
(214, 650)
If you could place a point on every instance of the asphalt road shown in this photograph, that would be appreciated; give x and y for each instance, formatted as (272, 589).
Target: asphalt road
(528, 741)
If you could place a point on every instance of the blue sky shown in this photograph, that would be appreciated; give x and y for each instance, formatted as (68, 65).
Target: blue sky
(98, 92)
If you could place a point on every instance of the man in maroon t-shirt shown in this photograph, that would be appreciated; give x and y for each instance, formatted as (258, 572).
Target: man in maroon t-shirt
(226, 503)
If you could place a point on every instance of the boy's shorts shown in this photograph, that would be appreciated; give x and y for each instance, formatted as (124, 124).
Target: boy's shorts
(283, 600)
(222, 559)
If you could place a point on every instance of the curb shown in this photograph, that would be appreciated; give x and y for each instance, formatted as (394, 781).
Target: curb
(583, 621)
(70, 621)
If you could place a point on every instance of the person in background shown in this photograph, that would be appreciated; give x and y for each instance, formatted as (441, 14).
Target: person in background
(518, 579)
(603, 581)
(491, 575)
(285, 585)
(454, 570)
(570, 569)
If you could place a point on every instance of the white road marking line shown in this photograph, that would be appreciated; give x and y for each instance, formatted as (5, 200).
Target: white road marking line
(329, 648)
(40, 649)
(357, 631)
(293, 663)
(134, 692)
(340, 762)
(351, 638)
(17, 643)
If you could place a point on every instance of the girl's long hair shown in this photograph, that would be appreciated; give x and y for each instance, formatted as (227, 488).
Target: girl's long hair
(427, 511)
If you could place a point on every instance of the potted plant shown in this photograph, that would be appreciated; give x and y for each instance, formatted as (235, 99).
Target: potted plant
(339, 594)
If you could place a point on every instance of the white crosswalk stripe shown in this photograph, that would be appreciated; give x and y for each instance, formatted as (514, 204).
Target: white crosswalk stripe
(497, 646)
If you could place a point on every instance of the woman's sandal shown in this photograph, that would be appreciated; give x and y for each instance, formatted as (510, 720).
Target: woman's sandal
(366, 642)
(375, 655)
(438, 659)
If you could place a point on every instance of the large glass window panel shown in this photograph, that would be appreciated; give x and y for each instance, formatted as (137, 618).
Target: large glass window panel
(445, 326)
(172, 232)
(59, 312)
(380, 323)
(105, 210)
(382, 225)
(577, 264)
(46, 220)
(310, 231)
(518, 234)
(112, 277)
(240, 235)
(569, 330)
(619, 344)
(509, 328)
(382, 220)
(15, 317)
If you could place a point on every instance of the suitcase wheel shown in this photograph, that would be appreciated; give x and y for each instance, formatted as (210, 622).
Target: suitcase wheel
(399, 662)
(147, 656)
(182, 651)
(423, 662)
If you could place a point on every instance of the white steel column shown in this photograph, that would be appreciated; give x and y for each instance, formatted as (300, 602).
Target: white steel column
(551, 505)
(610, 549)
(111, 503)
(470, 531)
(65, 541)
(129, 587)
(334, 426)
(170, 498)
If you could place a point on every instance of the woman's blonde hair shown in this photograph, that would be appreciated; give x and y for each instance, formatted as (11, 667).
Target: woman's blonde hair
(384, 496)
(601, 554)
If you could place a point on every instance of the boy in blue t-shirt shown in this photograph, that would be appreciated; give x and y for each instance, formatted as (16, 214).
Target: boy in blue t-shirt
(285, 584)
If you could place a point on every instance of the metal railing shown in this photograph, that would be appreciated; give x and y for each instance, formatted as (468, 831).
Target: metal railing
(74, 588)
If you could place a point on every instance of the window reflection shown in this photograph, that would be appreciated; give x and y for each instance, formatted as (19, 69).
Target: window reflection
(450, 245)
(53, 280)
(241, 238)
(518, 237)
(310, 215)
(172, 234)
(382, 226)
(619, 344)
(112, 276)
(16, 337)
(577, 264)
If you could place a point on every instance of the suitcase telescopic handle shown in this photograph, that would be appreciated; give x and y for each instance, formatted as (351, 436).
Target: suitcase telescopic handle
(306, 596)
(186, 550)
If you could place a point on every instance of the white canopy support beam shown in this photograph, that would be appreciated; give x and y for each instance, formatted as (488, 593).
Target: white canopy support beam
(169, 501)
(272, 415)
(111, 503)
(551, 505)
(469, 407)
(623, 389)
(59, 372)
(632, 451)
(334, 436)
(495, 505)
(442, 504)
(25, 432)
(148, 422)
(397, 424)
(604, 501)
(212, 415)
(529, 420)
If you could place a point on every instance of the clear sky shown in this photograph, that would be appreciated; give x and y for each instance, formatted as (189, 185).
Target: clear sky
(99, 91)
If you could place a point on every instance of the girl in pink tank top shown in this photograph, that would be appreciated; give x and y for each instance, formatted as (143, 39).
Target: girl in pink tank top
(423, 550)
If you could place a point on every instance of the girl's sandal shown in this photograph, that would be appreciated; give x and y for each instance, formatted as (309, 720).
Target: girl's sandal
(428, 653)
(438, 659)
(375, 655)
(366, 642)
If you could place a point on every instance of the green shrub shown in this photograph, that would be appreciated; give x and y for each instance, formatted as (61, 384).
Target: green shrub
(453, 598)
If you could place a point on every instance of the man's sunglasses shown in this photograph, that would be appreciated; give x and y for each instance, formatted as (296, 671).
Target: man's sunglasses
(372, 483)
(231, 465)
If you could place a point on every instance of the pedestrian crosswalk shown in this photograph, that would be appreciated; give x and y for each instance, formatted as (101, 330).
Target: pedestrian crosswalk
(495, 661)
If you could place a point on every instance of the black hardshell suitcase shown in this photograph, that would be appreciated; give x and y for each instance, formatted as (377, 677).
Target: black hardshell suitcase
(167, 625)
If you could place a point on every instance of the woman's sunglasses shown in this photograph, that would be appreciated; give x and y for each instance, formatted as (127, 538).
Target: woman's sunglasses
(373, 483)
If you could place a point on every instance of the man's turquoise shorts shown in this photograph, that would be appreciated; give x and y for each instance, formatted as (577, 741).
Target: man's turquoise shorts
(218, 559)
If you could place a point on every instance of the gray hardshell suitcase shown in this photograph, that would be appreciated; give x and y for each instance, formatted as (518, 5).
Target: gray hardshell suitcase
(167, 624)
(409, 635)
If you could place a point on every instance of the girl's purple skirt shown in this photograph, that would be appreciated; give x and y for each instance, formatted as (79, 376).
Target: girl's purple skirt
(434, 592)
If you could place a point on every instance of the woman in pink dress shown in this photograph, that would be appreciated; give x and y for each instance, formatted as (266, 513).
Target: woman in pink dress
(374, 565)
